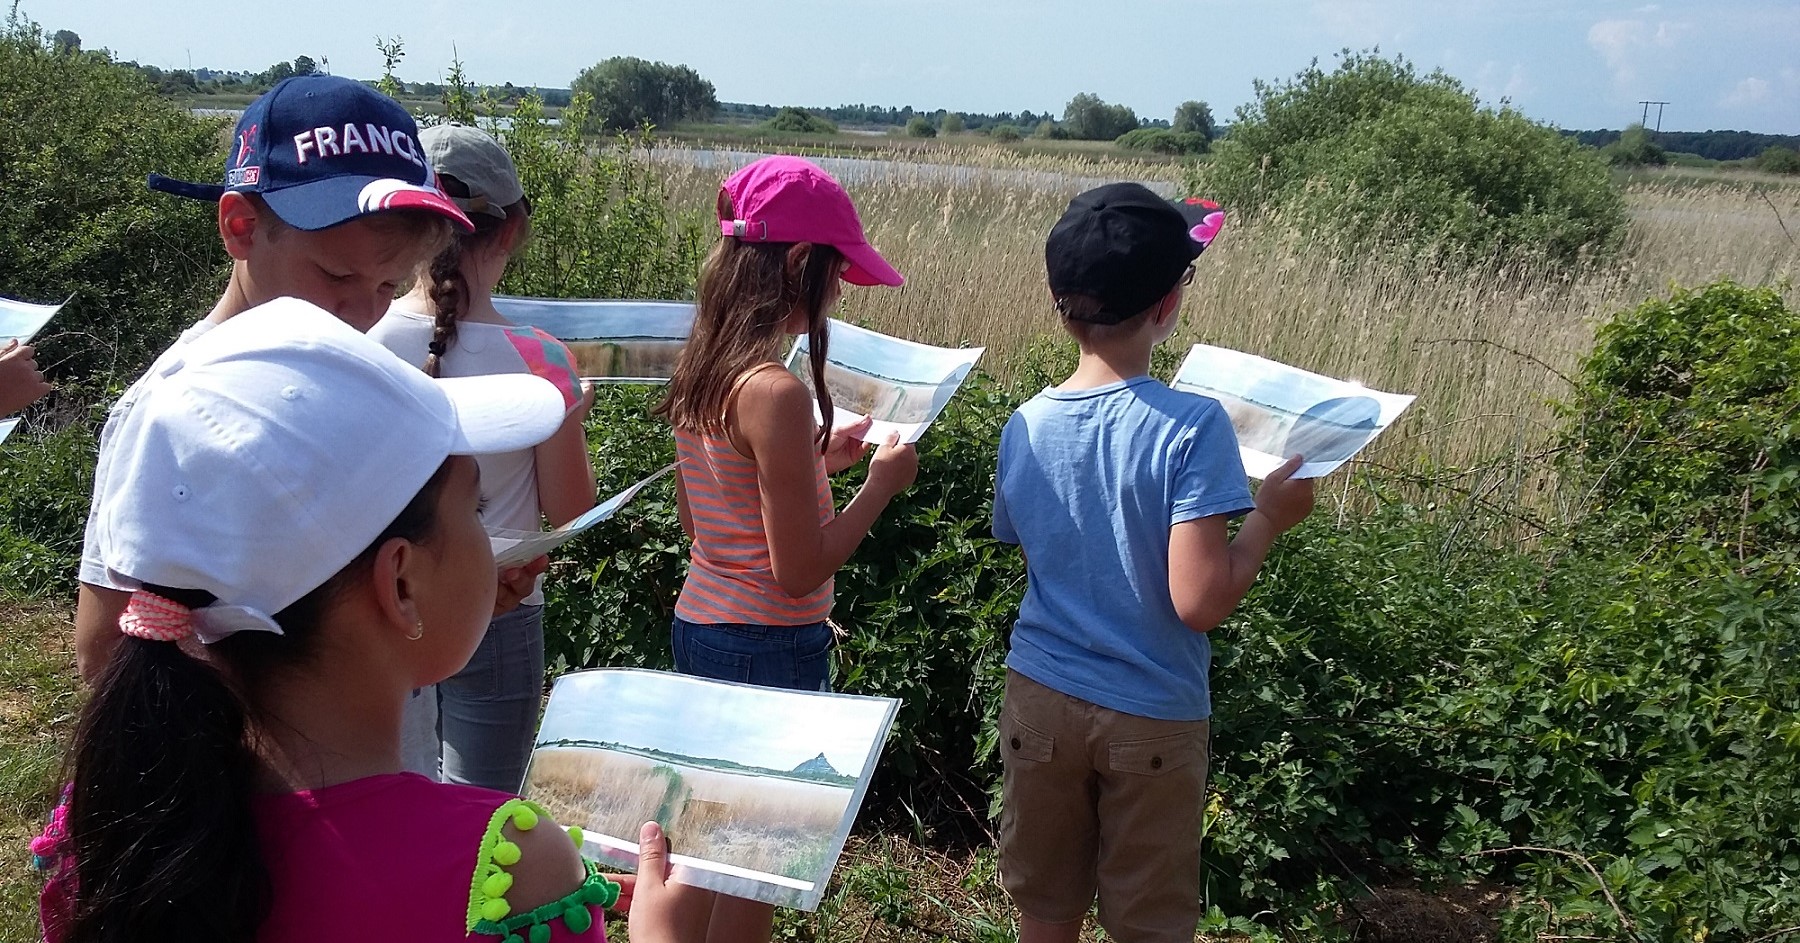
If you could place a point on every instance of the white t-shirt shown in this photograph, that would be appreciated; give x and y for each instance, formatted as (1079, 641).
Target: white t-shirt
(508, 480)
(93, 567)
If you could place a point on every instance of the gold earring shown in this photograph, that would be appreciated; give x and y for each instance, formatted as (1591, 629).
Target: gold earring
(418, 631)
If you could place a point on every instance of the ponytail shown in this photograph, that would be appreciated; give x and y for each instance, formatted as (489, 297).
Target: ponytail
(161, 828)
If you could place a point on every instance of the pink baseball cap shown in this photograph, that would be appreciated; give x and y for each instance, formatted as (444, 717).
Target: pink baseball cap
(789, 199)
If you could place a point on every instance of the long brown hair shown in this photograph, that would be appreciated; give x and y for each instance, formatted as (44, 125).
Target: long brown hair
(740, 318)
(449, 289)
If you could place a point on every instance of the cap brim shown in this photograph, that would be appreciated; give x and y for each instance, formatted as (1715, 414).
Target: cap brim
(502, 412)
(193, 191)
(1204, 219)
(867, 267)
(322, 204)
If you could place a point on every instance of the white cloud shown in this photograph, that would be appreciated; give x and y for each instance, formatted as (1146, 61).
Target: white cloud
(1495, 81)
(1625, 43)
(1748, 93)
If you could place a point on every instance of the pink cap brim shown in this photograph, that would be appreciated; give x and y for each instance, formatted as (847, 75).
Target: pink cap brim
(867, 267)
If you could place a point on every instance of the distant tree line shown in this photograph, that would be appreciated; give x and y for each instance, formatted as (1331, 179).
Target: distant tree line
(1712, 145)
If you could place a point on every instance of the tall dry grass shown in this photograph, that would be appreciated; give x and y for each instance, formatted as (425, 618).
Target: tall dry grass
(1484, 346)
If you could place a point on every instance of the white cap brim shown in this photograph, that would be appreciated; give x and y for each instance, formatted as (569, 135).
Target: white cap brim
(502, 412)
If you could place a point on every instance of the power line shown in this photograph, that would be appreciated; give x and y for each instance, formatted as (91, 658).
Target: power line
(1659, 113)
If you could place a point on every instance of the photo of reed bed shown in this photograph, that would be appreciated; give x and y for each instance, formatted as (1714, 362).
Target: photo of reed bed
(761, 823)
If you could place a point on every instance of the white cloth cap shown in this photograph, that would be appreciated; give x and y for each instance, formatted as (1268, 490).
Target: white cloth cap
(276, 447)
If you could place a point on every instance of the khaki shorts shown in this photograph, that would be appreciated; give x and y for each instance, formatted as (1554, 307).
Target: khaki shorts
(1099, 801)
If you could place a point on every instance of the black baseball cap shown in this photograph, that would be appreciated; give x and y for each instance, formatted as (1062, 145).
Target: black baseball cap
(1125, 247)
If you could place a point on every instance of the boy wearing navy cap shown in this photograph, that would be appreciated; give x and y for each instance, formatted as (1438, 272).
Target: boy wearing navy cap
(1117, 489)
(326, 197)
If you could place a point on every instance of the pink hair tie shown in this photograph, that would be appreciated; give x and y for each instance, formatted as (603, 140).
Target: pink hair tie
(156, 618)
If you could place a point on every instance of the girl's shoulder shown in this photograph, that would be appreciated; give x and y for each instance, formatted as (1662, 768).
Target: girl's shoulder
(529, 873)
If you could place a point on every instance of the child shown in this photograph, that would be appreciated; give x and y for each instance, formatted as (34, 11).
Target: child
(486, 714)
(752, 492)
(254, 792)
(1117, 489)
(20, 382)
(326, 197)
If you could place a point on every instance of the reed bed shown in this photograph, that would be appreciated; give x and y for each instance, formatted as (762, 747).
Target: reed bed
(1486, 345)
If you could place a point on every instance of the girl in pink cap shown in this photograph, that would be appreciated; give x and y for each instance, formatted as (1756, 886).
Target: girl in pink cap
(753, 491)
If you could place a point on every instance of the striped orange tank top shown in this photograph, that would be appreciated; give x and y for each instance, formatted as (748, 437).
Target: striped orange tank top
(730, 578)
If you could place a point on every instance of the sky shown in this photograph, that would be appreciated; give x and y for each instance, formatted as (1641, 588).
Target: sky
(754, 726)
(1721, 64)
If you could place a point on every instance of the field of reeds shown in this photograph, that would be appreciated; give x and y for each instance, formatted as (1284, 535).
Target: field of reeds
(767, 824)
(1485, 347)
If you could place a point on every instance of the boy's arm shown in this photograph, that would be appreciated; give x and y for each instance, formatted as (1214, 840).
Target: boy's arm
(1208, 575)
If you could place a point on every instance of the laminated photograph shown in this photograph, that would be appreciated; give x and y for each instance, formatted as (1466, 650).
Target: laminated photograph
(1280, 411)
(21, 320)
(514, 547)
(901, 384)
(613, 341)
(6, 428)
(756, 787)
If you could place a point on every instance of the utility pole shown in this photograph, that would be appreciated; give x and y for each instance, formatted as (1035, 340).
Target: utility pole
(1659, 114)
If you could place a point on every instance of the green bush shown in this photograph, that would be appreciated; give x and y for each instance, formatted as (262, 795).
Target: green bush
(1374, 151)
(1779, 160)
(46, 478)
(600, 218)
(1685, 430)
(799, 121)
(1005, 133)
(920, 127)
(80, 135)
(1635, 149)
(1164, 141)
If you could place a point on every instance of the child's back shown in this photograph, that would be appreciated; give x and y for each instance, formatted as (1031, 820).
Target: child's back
(1089, 483)
(1118, 490)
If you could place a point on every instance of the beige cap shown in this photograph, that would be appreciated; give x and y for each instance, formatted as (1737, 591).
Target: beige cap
(472, 156)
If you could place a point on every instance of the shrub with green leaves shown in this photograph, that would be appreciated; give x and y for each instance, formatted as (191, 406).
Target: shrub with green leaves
(1164, 141)
(793, 120)
(78, 135)
(1373, 151)
(1685, 430)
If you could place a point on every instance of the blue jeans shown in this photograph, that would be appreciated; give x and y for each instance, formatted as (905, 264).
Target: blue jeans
(794, 657)
(488, 712)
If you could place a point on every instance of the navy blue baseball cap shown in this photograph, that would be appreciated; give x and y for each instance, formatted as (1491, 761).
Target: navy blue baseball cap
(323, 150)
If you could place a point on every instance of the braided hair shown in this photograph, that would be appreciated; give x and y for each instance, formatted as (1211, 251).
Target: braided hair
(448, 288)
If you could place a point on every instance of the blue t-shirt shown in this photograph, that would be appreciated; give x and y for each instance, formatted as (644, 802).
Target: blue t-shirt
(1089, 483)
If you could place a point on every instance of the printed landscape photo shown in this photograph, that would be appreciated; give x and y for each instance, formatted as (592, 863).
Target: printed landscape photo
(626, 357)
(756, 787)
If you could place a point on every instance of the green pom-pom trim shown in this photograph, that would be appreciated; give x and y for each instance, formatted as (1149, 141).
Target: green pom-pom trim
(577, 836)
(513, 938)
(497, 853)
(577, 917)
(572, 909)
(495, 909)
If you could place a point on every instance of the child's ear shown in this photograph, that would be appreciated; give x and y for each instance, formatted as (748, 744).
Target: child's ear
(797, 258)
(391, 580)
(238, 219)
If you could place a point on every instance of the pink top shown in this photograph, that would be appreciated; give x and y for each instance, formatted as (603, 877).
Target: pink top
(399, 857)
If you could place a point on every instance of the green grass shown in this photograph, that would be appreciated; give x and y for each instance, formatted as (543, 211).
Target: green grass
(38, 700)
